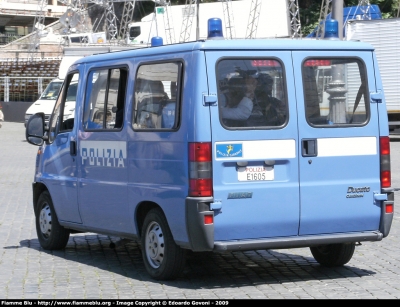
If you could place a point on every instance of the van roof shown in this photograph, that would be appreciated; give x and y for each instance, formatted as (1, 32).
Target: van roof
(238, 44)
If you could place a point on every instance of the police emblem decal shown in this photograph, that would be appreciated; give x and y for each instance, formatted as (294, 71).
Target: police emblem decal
(229, 150)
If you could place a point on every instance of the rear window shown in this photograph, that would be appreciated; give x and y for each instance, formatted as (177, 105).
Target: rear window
(335, 92)
(251, 93)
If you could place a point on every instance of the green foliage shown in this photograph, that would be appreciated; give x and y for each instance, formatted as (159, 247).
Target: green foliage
(388, 7)
(310, 10)
(309, 14)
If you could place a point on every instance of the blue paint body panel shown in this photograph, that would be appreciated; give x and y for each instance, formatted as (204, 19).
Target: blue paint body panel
(117, 174)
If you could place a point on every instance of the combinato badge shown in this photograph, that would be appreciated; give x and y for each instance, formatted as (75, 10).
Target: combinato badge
(229, 150)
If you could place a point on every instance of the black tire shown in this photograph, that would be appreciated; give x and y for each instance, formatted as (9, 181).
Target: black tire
(334, 254)
(50, 233)
(163, 259)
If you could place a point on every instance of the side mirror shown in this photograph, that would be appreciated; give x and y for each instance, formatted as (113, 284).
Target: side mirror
(35, 129)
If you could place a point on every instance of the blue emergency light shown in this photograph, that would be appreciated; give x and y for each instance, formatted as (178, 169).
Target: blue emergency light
(331, 29)
(156, 41)
(215, 29)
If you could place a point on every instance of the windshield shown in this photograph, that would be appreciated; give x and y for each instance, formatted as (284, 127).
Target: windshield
(52, 90)
(134, 32)
(78, 39)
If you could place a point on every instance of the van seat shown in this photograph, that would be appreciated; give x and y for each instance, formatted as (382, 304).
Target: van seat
(151, 99)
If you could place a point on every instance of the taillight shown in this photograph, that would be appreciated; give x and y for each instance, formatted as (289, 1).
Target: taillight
(389, 208)
(200, 174)
(384, 149)
(208, 219)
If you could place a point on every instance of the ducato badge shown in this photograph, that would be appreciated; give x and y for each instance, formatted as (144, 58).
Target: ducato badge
(354, 192)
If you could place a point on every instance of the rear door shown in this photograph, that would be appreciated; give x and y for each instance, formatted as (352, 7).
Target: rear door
(338, 142)
(255, 163)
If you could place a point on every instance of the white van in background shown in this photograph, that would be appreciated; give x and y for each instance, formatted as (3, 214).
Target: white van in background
(46, 101)
(88, 38)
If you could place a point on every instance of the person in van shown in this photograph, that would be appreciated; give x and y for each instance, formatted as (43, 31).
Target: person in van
(273, 108)
(257, 106)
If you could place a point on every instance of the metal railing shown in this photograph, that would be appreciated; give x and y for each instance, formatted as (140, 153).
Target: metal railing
(22, 88)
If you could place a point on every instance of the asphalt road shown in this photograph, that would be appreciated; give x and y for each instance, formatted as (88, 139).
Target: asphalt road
(89, 269)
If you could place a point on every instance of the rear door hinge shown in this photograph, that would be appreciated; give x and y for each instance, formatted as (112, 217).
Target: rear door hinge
(376, 97)
(216, 205)
(209, 100)
(379, 197)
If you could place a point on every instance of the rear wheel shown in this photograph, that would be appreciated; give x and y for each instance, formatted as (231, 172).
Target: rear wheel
(50, 233)
(333, 254)
(162, 258)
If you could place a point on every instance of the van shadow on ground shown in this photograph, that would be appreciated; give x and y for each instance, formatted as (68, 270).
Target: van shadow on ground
(205, 269)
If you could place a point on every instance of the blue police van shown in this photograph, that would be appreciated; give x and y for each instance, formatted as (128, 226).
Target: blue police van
(219, 145)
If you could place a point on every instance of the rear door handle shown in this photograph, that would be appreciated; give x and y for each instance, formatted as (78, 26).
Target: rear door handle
(309, 147)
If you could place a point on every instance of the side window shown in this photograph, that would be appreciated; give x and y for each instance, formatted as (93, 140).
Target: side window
(63, 117)
(335, 92)
(157, 96)
(105, 100)
(251, 93)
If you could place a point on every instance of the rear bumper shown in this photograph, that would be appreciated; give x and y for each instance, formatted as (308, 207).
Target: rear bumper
(297, 241)
(386, 218)
(201, 236)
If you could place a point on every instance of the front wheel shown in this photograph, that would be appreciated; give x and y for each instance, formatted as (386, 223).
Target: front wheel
(50, 233)
(162, 258)
(333, 254)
